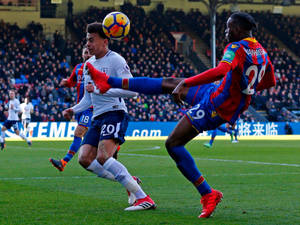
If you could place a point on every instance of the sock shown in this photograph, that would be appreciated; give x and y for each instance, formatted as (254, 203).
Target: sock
(236, 131)
(98, 169)
(23, 137)
(122, 176)
(2, 136)
(73, 149)
(213, 135)
(27, 130)
(188, 168)
(144, 85)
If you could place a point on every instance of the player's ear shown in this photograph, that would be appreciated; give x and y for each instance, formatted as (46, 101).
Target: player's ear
(106, 41)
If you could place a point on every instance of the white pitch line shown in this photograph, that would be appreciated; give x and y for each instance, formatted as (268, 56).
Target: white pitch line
(218, 160)
(65, 149)
(167, 157)
(155, 176)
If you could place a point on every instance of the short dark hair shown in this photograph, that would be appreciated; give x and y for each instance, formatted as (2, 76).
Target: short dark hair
(244, 20)
(96, 27)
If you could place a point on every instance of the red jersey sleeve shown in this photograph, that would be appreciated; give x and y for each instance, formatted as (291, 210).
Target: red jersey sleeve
(229, 61)
(208, 76)
(268, 80)
(72, 80)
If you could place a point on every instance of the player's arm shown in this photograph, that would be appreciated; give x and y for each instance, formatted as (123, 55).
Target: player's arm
(31, 108)
(206, 77)
(17, 107)
(268, 80)
(229, 61)
(84, 104)
(71, 81)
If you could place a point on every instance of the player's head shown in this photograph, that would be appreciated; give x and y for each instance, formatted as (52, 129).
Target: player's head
(26, 100)
(85, 54)
(12, 94)
(239, 26)
(97, 42)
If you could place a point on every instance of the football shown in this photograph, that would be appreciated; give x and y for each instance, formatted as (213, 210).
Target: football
(116, 25)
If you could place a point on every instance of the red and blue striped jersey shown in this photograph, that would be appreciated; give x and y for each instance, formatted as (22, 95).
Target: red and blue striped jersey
(251, 71)
(77, 79)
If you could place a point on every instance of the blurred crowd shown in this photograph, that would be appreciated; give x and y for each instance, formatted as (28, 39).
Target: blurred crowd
(34, 65)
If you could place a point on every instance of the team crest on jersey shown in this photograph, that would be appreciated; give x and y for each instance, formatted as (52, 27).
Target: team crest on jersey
(213, 114)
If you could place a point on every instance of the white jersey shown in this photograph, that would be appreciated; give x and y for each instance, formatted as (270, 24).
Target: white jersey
(26, 109)
(113, 65)
(13, 109)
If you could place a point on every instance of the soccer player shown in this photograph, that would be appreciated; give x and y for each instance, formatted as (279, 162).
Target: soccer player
(12, 119)
(83, 118)
(227, 129)
(244, 69)
(110, 119)
(26, 109)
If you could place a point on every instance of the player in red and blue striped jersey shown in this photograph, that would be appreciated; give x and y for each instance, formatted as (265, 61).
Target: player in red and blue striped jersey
(245, 68)
(84, 118)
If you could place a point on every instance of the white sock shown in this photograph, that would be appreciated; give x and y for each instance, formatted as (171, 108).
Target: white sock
(98, 169)
(122, 176)
(23, 136)
(2, 138)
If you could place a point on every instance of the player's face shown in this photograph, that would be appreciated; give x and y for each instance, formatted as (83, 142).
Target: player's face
(85, 54)
(232, 31)
(96, 45)
(11, 95)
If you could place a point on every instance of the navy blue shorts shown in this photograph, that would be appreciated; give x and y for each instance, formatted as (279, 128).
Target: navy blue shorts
(84, 118)
(109, 125)
(11, 123)
(202, 115)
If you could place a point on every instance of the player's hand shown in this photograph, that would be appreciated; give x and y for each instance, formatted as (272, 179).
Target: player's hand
(63, 82)
(90, 88)
(68, 113)
(177, 93)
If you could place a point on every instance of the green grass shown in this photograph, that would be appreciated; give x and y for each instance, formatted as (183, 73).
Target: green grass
(260, 181)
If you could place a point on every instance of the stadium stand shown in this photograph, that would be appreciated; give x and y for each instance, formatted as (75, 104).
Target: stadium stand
(35, 65)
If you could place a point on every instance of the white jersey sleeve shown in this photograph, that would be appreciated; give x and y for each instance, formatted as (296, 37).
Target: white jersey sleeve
(84, 103)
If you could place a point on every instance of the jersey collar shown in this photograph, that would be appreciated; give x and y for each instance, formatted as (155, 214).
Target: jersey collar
(251, 39)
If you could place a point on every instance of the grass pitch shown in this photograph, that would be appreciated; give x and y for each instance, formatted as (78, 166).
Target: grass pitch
(260, 181)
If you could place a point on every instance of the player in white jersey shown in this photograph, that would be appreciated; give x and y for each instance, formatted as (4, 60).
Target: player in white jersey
(12, 119)
(26, 109)
(110, 119)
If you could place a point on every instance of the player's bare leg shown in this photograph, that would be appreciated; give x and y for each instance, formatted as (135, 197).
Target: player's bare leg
(182, 134)
(80, 131)
(23, 137)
